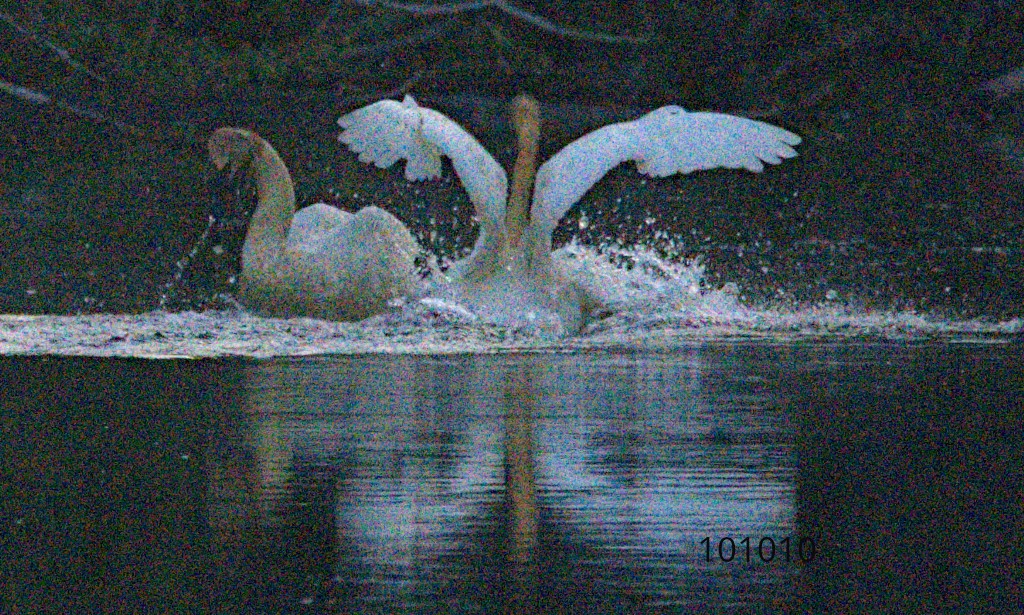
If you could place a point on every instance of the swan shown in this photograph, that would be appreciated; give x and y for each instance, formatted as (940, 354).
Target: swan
(320, 262)
(510, 276)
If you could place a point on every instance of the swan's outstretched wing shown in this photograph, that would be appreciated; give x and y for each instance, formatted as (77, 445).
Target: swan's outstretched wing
(388, 131)
(666, 141)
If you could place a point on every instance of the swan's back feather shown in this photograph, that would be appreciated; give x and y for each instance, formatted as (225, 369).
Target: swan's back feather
(666, 141)
(312, 225)
(388, 131)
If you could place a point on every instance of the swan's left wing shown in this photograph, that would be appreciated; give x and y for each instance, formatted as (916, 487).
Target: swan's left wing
(666, 141)
(388, 131)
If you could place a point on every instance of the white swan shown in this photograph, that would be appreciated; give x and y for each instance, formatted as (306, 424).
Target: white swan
(320, 261)
(510, 276)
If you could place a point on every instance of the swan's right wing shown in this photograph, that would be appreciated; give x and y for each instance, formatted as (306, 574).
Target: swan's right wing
(388, 131)
(666, 141)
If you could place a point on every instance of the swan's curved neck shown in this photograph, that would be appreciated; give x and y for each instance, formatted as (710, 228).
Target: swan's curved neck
(526, 118)
(268, 230)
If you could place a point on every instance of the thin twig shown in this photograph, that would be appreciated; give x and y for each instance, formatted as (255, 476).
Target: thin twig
(63, 54)
(1006, 84)
(502, 5)
(26, 94)
(42, 98)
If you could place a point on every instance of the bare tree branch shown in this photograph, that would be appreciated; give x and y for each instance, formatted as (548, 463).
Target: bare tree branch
(1006, 84)
(42, 98)
(26, 94)
(502, 5)
(63, 54)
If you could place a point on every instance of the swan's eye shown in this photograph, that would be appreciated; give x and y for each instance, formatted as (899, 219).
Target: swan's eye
(674, 110)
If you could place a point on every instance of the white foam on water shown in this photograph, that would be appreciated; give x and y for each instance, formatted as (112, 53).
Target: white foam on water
(657, 302)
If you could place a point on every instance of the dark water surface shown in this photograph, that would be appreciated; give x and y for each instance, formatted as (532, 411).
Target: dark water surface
(887, 476)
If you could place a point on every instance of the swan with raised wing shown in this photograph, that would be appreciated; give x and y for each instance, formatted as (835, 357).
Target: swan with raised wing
(320, 262)
(510, 277)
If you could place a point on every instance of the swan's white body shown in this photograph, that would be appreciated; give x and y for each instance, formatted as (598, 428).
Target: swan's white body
(510, 277)
(320, 261)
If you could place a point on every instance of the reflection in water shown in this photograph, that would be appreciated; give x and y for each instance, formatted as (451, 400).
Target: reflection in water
(533, 482)
(520, 410)
(554, 483)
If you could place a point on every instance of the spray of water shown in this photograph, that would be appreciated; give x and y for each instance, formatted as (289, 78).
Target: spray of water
(656, 299)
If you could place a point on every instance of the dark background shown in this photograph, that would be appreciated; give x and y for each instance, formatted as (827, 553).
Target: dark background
(906, 194)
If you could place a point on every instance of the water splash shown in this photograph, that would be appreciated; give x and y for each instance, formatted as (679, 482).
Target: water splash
(658, 302)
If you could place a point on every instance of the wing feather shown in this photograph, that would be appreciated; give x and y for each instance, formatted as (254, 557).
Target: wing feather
(664, 142)
(388, 131)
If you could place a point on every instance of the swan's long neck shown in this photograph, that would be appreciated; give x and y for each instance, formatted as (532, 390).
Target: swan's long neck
(526, 118)
(268, 229)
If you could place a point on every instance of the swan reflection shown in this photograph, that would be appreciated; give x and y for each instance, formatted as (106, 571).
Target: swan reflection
(645, 462)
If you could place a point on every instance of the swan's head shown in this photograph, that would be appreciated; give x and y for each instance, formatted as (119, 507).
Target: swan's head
(232, 147)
